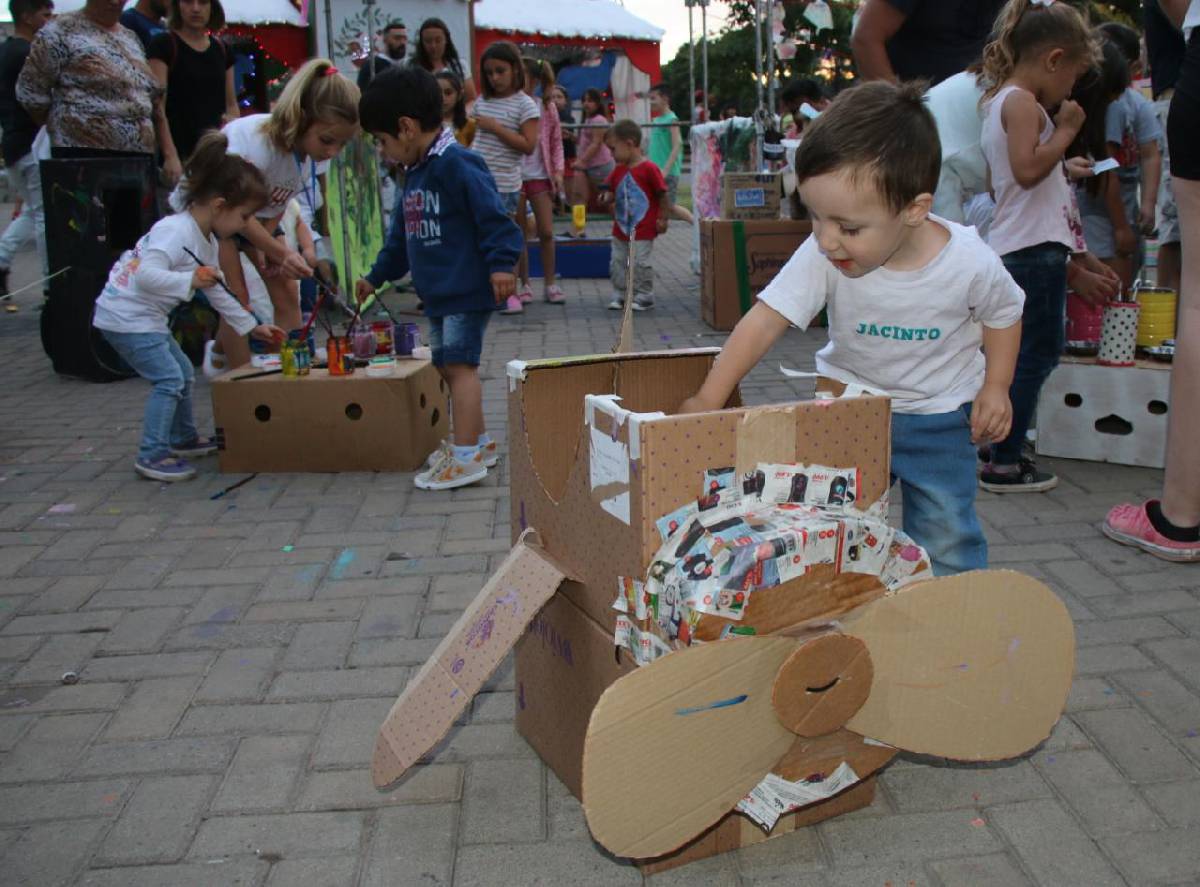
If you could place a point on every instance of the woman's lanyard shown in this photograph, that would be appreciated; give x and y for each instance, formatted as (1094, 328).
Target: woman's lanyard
(312, 168)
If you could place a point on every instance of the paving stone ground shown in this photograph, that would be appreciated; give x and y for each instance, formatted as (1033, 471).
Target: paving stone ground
(237, 655)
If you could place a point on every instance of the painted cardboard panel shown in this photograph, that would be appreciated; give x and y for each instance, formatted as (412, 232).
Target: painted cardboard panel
(347, 423)
(472, 649)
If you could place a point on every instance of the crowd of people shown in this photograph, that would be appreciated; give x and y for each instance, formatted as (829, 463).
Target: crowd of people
(1026, 98)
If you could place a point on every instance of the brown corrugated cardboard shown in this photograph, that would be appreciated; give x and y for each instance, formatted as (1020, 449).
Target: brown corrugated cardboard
(751, 195)
(320, 422)
(738, 260)
(595, 458)
(970, 667)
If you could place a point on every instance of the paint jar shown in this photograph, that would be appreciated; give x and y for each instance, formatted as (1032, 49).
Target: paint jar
(311, 340)
(364, 343)
(340, 355)
(1156, 321)
(301, 359)
(287, 360)
(1118, 339)
(407, 336)
(1084, 320)
(382, 330)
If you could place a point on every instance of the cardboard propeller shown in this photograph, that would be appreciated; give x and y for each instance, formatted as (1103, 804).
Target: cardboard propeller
(974, 667)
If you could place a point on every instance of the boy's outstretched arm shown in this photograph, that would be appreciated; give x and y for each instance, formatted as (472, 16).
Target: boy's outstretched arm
(991, 414)
(750, 340)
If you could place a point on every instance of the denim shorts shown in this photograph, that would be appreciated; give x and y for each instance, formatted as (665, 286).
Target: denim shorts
(458, 338)
(509, 200)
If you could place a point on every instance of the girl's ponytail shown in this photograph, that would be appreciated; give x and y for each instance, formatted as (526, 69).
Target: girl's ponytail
(211, 172)
(1025, 26)
(543, 72)
(315, 92)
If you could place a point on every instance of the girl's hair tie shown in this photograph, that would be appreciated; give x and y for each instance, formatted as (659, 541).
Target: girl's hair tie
(1045, 3)
(331, 70)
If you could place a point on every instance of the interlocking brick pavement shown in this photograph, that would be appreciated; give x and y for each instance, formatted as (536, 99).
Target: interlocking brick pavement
(230, 688)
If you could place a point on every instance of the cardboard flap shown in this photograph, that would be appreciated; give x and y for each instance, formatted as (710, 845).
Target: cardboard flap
(974, 667)
(765, 435)
(704, 714)
(465, 659)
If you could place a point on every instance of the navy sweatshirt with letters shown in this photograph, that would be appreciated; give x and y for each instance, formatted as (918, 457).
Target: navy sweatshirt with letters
(450, 229)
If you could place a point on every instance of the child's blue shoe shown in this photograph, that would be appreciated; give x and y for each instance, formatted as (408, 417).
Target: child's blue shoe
(168, 469)
(201, 446)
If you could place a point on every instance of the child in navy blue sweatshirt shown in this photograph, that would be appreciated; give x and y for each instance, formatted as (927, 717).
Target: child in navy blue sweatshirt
(451, 230)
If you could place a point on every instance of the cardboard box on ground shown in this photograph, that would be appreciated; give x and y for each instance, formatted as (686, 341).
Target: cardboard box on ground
(589, 482)
(318, 422)
(738, 260)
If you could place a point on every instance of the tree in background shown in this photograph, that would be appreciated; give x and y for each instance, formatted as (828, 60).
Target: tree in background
(823, 54)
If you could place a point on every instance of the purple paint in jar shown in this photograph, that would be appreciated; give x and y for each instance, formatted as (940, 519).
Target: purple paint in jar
(407, 337)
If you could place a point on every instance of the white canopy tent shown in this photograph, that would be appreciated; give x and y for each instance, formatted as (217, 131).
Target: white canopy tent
(580, 18)
(237, 12)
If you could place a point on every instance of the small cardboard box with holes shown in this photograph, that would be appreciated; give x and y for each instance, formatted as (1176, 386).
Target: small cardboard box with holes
(270, 422)
(718, 637)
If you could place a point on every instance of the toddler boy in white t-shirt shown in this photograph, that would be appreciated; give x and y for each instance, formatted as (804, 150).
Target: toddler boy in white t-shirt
(911, 298)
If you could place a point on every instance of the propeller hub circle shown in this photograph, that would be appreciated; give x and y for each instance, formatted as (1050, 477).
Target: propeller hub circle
(821, 685)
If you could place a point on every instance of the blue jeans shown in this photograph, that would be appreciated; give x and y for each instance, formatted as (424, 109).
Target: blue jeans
(1041, 271)
(458, 338)
(158, 358)
(934, 460)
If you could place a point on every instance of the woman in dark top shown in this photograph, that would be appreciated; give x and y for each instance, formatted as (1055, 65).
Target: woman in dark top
(197, 71)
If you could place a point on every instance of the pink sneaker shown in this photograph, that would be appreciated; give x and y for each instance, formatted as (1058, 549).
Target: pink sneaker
(525, 293)
(1130, 525)
(512, 306)
(555, 295)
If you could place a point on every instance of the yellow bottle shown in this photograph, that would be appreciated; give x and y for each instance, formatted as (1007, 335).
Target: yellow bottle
(579, 217)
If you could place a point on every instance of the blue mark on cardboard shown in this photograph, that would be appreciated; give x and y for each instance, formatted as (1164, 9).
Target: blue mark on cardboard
(720, 703)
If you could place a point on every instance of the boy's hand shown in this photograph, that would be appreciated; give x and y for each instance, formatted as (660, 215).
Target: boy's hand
(604, 198)
(204, 277)
(362, 290)
(294, 266)
(1079, 168)
(268, 332)
(991, 415)
(661, 225)
(504, 284)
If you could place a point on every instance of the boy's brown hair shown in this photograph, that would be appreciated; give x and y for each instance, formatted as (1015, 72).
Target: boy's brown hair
(879, 130)
(626, 131)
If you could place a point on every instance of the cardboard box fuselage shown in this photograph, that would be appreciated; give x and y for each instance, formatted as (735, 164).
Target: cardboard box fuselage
(324, 423)
(600, 531)
(738, 260)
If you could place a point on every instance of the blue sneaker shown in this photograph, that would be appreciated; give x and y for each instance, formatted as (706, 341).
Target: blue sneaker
(168, 469)
(201, 446)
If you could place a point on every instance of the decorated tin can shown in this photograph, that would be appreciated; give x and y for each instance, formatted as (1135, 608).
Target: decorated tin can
(1118, 338)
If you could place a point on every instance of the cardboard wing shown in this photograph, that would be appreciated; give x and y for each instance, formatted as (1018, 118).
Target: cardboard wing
(972, 667)
(466, 658)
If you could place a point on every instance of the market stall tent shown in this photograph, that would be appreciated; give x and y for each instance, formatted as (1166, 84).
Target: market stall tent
(592, 24)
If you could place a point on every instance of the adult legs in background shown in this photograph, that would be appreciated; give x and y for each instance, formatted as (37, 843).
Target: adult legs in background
(26, 179)
(677, 212)
(543, 214)
(934, 461)
(1167, 221)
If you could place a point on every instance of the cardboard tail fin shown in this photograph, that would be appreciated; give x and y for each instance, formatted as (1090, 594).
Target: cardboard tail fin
(464, 660)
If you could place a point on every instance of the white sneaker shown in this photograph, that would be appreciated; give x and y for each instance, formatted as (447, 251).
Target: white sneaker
(214, 364)
(617, 304)
(449, 472)
(491, 456)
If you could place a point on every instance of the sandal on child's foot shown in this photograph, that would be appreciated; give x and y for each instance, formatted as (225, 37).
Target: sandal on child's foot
(1023, 477)
(525, 294)
(555, 295)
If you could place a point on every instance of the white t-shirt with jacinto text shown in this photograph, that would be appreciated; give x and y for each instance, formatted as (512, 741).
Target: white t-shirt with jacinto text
(914, 334)
(503, 162)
